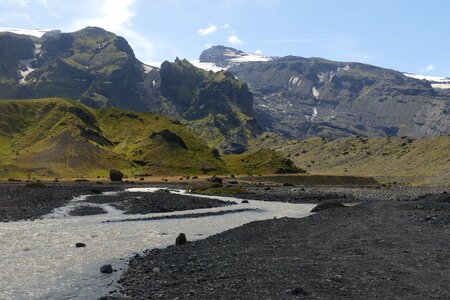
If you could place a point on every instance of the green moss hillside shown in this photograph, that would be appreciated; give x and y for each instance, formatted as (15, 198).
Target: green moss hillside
(392, 159)
(56, 137)
(62, 138)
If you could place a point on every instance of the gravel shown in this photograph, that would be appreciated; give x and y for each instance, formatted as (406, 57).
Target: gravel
(391, 246)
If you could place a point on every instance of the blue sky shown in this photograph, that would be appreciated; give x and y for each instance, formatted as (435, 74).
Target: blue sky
(411, 36)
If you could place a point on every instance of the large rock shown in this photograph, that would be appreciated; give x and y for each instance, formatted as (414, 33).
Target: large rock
(106, 269)
(216, 179)
(181, 239)
(327, 205)
(115, 175)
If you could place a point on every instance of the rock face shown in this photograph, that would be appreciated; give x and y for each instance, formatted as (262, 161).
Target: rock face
(300, 97)
(181, 239)
(92, 65)
(220, 55)
(216, 101)
(99, 69)
(169, 137)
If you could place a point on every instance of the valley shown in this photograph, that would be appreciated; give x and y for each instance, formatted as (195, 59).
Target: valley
(237, 175)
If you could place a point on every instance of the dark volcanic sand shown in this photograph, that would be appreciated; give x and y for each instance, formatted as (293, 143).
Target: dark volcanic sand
(18, 202)
(157, 202)
(87, 210)
(392, 249)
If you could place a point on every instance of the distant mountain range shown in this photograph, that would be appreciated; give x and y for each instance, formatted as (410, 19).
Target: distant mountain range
(293, 96)
(300, 97)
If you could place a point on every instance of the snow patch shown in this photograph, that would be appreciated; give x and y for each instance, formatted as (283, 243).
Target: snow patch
(249, 58)
(443, 86)
(345, 68)
(326, 76)
(25, 73)
(428, 78)
(207, 66)
(315, 92)
(314, 114)
(33, 32)
(436, 81)
(294, 80)
(154, 64)
(147, 68)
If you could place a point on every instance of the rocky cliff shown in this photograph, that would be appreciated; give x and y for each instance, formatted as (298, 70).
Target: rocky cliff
(94, 66)
(300, 97)
(216, 105)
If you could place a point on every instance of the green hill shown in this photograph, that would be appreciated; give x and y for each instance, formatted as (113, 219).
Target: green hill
(63, 138)
(391, 159)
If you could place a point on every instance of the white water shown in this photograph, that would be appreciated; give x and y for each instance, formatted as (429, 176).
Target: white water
(38, 259)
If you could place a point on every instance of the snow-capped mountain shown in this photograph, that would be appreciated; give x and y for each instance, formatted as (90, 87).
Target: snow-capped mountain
(32, 32)
(219, 58)
(435, 81)
(300, 97)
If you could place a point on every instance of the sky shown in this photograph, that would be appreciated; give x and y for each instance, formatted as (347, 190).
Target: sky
(406, 35)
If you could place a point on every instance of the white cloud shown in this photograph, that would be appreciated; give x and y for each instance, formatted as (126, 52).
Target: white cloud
(234, 40)
(208, 30)
(117, 16)
(259, 52)
(428, 68)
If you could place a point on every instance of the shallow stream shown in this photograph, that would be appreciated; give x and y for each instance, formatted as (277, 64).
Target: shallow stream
(39, 260)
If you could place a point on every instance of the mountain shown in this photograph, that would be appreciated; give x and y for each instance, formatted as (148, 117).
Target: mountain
(301, 97)
(62, 138)
(92, 65)
(99, 69)
(216, 106)
(226, 57)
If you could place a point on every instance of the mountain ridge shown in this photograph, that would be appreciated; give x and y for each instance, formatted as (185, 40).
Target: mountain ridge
(300, 97)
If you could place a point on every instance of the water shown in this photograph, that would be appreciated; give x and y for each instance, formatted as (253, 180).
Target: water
(38, 259)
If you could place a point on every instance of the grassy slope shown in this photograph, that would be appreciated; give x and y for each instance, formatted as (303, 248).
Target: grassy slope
(62, 138)
(415, 161)
(55, 137)
(263, 161)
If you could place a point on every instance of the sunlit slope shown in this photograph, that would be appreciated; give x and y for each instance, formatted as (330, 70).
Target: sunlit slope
(56, 137)
(420, 161)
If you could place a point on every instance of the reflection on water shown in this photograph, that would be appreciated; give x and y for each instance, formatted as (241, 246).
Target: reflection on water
(38, 259)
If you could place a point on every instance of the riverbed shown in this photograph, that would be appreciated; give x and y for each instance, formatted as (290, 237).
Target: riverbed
(39, 259)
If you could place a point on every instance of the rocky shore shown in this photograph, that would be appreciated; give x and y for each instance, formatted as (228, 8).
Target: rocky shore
(385, 243)
(158, 202)
(390, 246)
(19, 201)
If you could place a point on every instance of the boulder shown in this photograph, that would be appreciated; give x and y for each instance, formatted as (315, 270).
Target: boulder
(216, 179)
(115, 175)
(299, 291)
(327, 205)
(180, 240)
(107, 269)
(244, 201)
